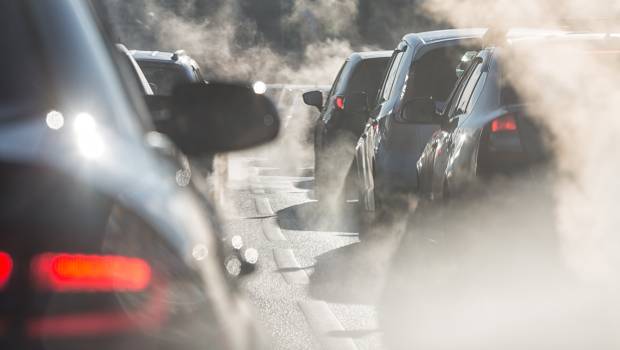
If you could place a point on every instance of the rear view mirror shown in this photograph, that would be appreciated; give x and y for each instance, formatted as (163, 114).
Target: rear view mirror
(419, 111)
(356, 102)
(314, 98)
(218, 117)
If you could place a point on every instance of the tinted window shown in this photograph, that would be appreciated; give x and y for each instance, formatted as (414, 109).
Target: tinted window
(458, 90)
(434, 75)
(368, 76)
(336, 81)
(21, 65)
(163, 76)
(469, 88)
(391, 76)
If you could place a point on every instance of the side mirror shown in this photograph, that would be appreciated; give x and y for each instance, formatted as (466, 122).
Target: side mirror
(314, 98)
(216, 117)
(356, 102)
(419, 111)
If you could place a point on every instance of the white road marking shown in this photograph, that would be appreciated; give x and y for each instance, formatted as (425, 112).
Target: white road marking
(271, 230)
(263, 207)
(323, 321)
(291, 270)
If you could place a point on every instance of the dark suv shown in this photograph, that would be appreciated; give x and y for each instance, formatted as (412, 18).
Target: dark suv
(486, 129)
(105, 244)
(164, 70)
(423, 65)
(337, 130)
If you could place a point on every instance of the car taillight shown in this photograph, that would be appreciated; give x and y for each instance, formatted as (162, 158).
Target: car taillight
(339, 102)
(60, 272)
(504, 123)
(6, 268)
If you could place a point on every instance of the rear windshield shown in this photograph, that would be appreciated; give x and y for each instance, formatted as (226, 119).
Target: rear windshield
(434, 75)
(21, 67)
(368, 76)
(163, 77)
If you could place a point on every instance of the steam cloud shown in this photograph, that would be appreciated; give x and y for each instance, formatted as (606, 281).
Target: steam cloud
(534, 263)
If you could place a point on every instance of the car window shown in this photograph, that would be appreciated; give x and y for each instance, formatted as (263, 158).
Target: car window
(367, 77)
(433, 75)
(457, 91)
(464, 89)
(468, 89)
(163, 76)
(336, 81)
(391, 76)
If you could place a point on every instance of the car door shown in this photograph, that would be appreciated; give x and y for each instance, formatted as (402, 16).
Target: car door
(441, 145)
(369, 139)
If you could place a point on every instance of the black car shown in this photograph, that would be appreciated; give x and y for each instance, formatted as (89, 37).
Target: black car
(239, 258)
(164, 70)
(338, 129)
(485, 130)
(423, 64)
(105, 244)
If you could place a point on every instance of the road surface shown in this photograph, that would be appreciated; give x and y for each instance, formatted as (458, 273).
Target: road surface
(316, 286)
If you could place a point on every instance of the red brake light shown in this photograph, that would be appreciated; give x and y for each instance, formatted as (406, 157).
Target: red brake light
(6, 268)
(340, 102)
(96, 273)
(504, 123)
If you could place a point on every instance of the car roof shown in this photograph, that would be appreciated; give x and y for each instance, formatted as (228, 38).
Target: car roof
(444, 35)
(372, 54)
(178, 57)
(152, 55)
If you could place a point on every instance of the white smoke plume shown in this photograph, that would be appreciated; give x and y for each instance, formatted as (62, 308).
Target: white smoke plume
(534, 263)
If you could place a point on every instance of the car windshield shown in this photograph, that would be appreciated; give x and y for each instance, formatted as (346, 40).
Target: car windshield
(163, 77)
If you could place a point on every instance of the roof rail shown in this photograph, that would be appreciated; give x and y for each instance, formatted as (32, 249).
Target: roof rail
(177, 54)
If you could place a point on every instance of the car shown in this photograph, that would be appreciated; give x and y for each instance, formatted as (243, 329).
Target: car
(106, 245)
(164, 70)
(423, 64)
(240, 259)
(489, 234)
(337, 129)
(485, 129)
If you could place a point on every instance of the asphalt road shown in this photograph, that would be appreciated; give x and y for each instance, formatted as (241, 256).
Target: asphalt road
(317, 285)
